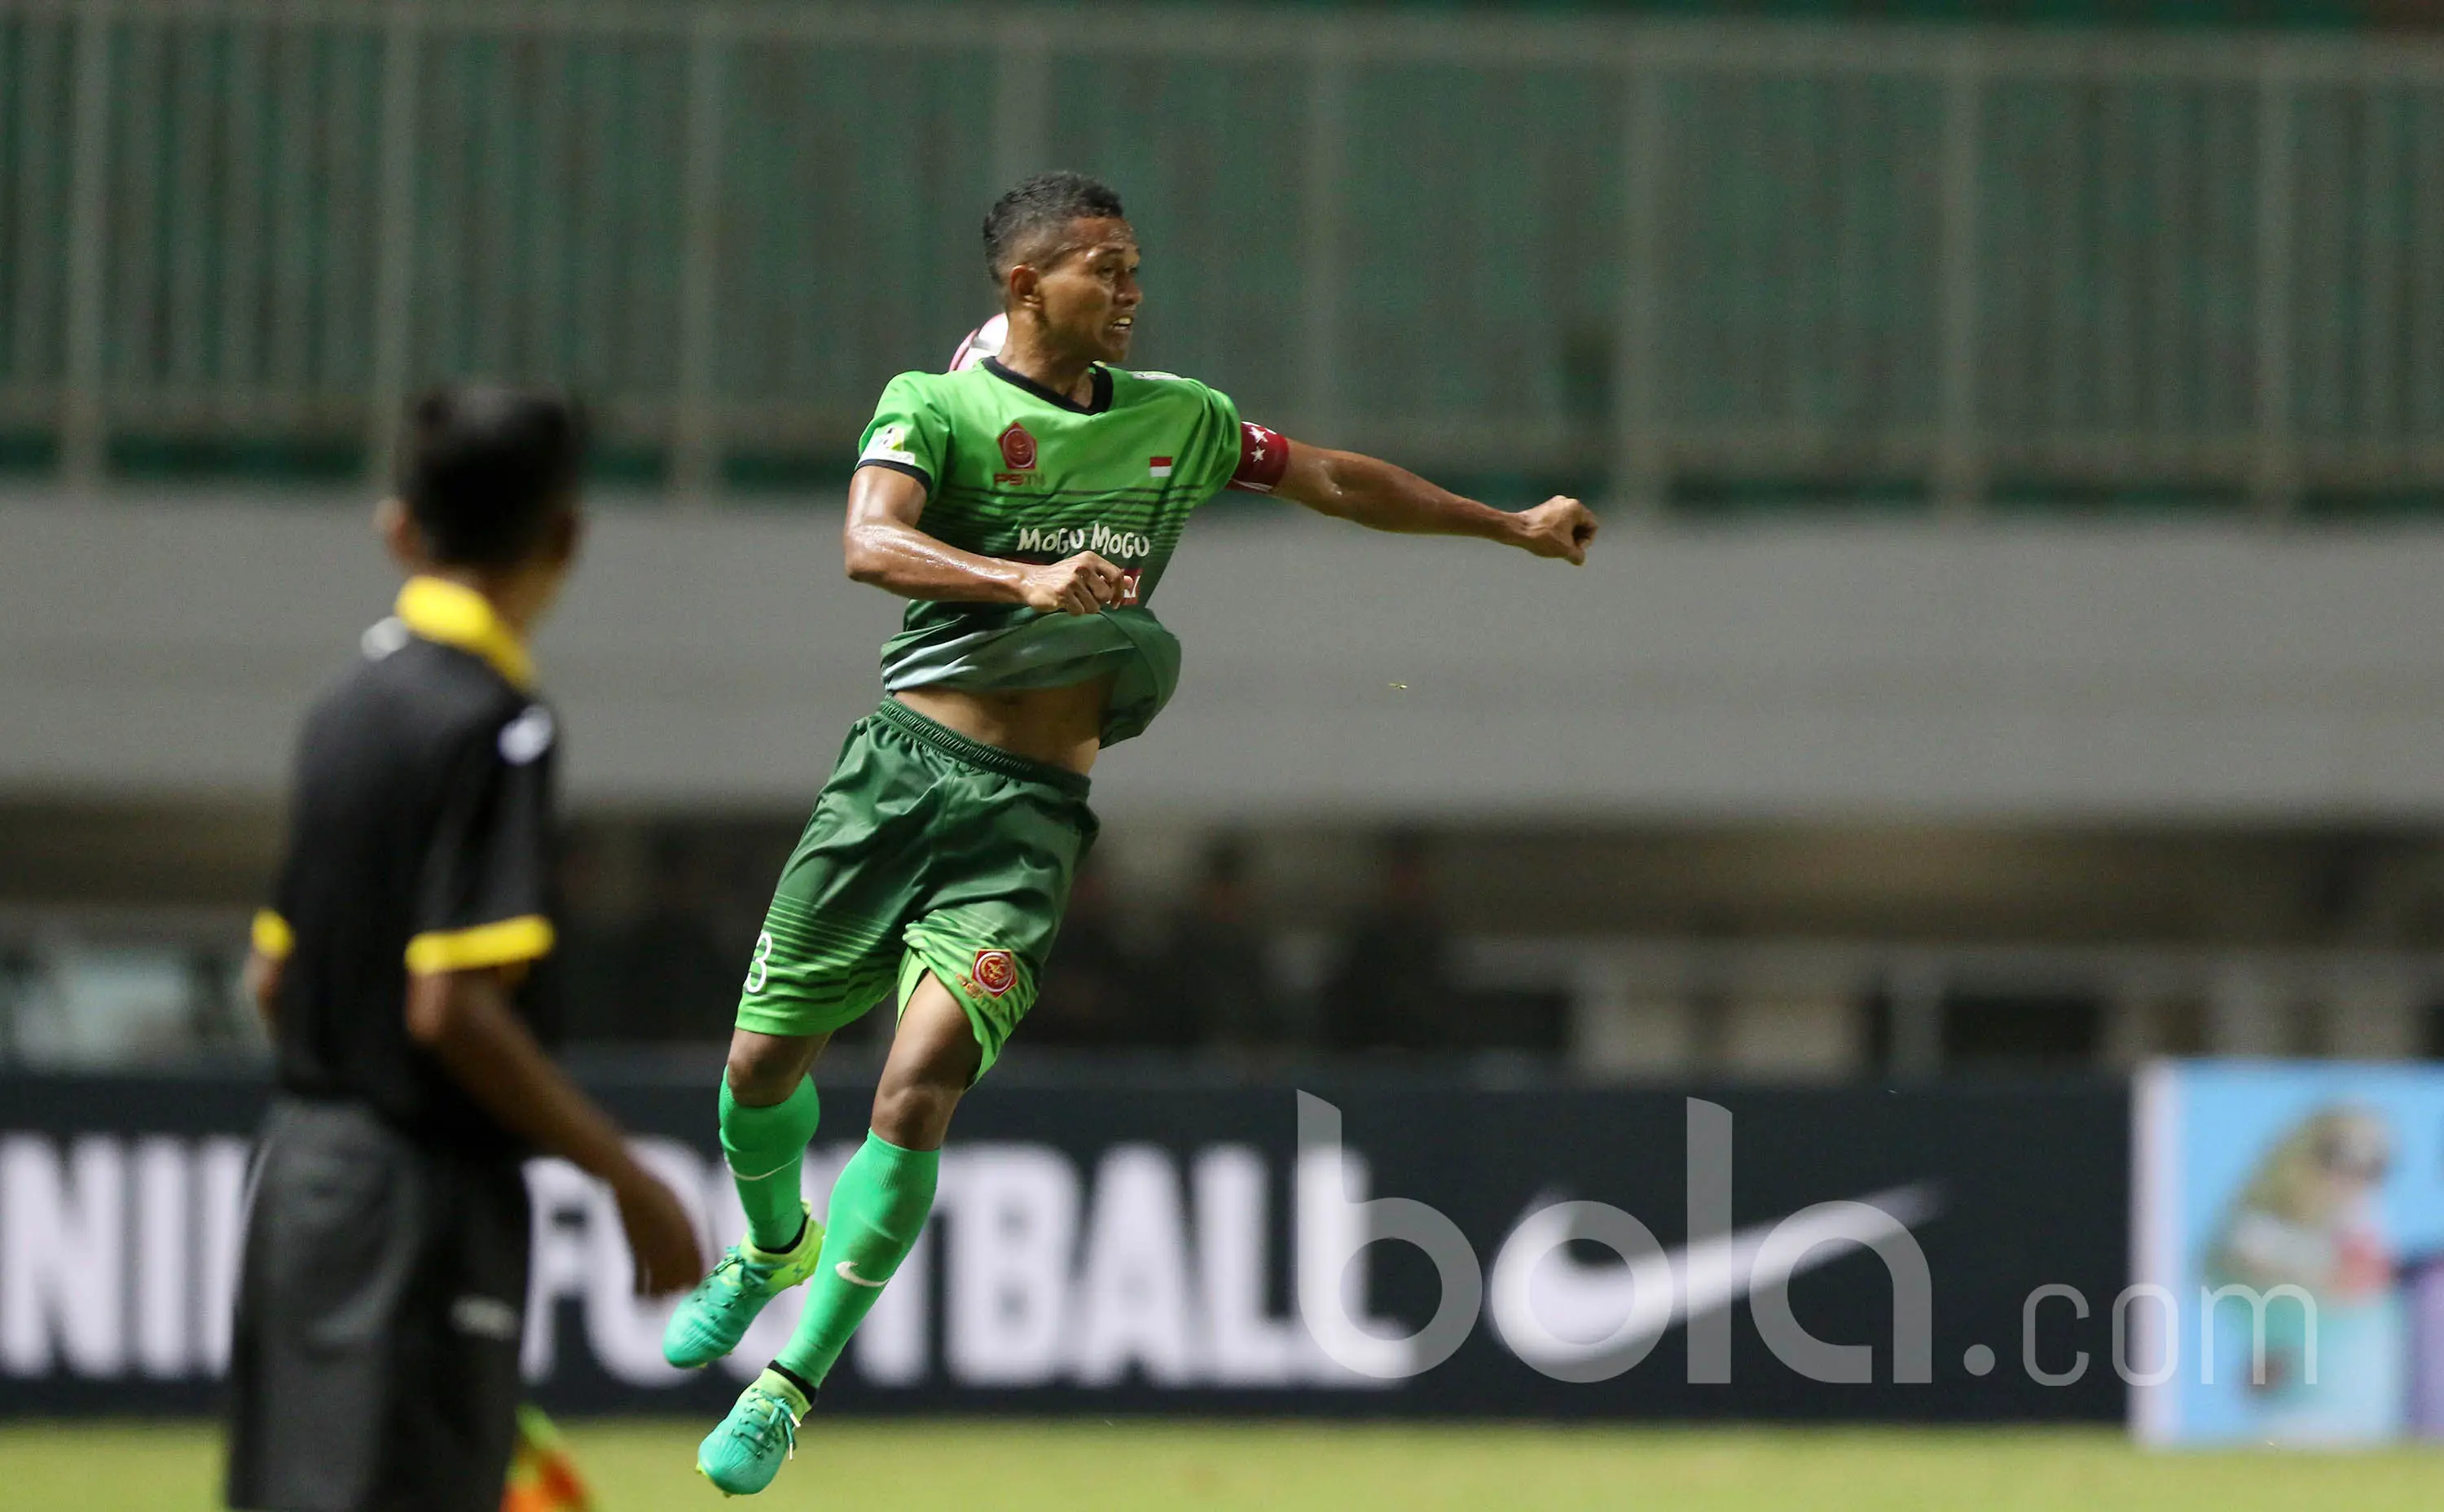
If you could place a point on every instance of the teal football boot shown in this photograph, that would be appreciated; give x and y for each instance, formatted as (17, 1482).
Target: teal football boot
(714, 1318)
(743, 1454)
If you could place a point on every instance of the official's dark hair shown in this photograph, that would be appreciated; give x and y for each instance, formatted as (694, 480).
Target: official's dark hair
(484, 466)
(1026, 223)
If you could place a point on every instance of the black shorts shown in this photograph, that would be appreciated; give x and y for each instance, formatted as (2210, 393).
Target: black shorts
(374, 1366)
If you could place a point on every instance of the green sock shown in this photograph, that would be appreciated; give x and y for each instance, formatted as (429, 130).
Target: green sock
(767, 1148)
(878, 1207)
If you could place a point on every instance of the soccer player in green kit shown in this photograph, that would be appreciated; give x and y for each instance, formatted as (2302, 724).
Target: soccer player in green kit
(1027, 506)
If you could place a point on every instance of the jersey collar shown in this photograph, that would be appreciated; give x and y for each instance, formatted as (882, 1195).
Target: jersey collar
(455, 615)
(1103, 385)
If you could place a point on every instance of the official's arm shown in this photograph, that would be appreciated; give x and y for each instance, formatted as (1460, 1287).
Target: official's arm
(263, 975)
(464, 1019)
(483, 918)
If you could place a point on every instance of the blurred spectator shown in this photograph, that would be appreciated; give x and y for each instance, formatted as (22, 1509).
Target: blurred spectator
(589, 961)
(1393, 988)
(1094, 991)
(629, 970)
(1217, 976)
(218, 1021)
(16, 985)
(684, 984)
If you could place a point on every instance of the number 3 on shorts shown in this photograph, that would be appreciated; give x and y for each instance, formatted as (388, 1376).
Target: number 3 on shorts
(759, 969)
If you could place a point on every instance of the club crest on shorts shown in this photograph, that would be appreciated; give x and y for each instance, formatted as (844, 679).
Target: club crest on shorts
(995, 973)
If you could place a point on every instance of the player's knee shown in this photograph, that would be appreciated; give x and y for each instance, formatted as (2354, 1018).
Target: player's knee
(764, 1070)
(916, 1114)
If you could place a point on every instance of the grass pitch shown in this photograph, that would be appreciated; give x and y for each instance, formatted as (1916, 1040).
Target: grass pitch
(1083, 1466)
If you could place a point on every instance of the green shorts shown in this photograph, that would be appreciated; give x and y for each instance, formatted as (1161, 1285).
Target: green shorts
(927, 852)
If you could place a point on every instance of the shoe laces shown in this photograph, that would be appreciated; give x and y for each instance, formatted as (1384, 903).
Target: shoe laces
(735, 1267)
(766, 1416)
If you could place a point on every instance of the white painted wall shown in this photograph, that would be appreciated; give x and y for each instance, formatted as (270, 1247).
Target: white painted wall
(2053, 671)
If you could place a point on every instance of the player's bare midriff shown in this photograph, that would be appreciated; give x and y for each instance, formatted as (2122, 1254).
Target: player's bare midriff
(1059, 726)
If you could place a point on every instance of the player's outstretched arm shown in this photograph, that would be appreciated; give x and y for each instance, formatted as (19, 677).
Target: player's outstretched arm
(882, 545)
(1382, 497)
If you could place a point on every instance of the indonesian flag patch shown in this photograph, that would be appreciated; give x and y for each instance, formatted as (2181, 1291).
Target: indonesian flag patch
(1160, 467)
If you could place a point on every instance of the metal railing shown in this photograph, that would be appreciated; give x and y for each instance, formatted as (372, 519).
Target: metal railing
(1953, 262)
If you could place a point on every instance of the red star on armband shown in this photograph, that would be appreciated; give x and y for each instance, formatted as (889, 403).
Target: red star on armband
(1264, 456)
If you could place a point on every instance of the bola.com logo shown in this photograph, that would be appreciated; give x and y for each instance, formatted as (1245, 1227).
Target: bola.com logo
(1581, 1324)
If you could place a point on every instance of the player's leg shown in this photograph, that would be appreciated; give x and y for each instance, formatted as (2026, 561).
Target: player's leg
(970, 975)
(884, 1193)
(993, 907)
(769, 1116)
(826, 954)
(879, 1206)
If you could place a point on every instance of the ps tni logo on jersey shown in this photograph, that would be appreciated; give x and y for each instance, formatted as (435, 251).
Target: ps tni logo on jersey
(1017, 455)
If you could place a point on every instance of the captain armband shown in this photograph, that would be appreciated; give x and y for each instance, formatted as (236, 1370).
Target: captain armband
(1264, 456)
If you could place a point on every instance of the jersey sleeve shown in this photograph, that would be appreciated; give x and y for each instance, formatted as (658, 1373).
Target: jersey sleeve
(271, 933)
(273, 936)
(910, 432)
(1236, 454)
(481, 894)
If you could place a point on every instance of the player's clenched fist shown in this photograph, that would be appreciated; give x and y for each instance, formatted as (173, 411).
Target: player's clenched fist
(1561, 526)
(1079, 585)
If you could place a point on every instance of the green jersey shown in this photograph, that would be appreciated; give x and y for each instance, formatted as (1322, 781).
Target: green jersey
(1012, 470)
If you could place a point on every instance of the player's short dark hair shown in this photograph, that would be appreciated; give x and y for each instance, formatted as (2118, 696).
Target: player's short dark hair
(1026, 222)
(485, 467)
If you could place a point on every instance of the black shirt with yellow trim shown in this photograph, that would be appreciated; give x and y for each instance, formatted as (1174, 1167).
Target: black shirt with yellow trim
(420, 841)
